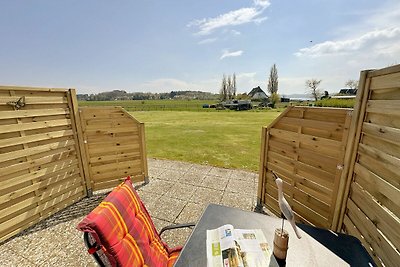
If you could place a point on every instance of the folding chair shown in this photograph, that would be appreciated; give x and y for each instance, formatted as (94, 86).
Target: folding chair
(120, 232)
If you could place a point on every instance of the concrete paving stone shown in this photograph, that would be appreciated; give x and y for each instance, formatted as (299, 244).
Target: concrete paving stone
(179, 166)
(159, 224)
(173, 238)
(167, 164)
(202, 169)
(170, 175)
(11, 259)
(155, 172)
(155, 163)
(215, 182)
(157, 186)
(148, 198)
(181, 191)
(204, 196)
(240, 186)
(220, 172)
(73, 255)
(36, 249)
(237, 200)
(190, 213)
(168, 209)
(244, 175)
(176, 237)
(192, 178)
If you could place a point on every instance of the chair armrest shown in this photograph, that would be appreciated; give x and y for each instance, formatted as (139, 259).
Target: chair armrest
(176, 226)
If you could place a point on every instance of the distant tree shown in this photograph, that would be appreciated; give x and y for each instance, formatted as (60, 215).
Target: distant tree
(229, 87)
(352, 84)
(273, 85)
(223, 90)
(234, 85)
(312, 88)
(273, 80)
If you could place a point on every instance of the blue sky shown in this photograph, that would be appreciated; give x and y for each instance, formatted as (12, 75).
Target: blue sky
(159, 46)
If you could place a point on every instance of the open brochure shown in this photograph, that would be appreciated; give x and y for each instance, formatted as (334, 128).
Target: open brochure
(229, 247)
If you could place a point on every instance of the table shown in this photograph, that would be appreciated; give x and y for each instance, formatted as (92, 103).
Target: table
(317, 247)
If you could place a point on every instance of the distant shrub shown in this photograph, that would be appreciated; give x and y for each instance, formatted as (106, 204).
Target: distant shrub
(336, 103)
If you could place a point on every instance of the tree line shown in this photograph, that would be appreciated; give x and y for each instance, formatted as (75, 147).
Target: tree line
(123, 95)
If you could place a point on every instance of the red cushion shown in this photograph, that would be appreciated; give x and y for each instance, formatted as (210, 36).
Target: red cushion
(124, 229)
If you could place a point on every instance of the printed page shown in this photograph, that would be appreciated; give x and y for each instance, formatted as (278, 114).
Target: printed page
(253, 247)
(221, 248)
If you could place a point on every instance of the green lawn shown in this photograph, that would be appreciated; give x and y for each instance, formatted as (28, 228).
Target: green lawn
(224, 139)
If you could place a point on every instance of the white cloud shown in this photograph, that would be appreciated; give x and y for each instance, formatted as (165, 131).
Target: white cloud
(207, 41)
(226, 53)
(235, 32)
(232, 18)
(371, 38)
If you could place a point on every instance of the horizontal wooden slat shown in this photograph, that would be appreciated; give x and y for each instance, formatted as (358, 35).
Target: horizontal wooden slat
(116, 174)
(386, 94)
(95, 152)
(35, 150)
(330, 147)
(329, 126)
(43, 211)
(30, 90)
(374, 237)
(386, 133)
(125, 165)
(32, 113)
(304, 184)
(29, 100)
(382, 218)
(62, 184)
(34, 125)
(40, 175)
(33, 138)
(37, 161)
(389, 148)
(392, 163)
(379, 167)
(386, 81)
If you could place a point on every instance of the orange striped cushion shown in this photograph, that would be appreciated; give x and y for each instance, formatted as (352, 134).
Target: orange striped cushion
(122, 225)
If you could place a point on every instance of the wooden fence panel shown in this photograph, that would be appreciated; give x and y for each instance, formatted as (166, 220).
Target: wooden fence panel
(40, 164)
(371, 208)
(115, 146)
(306, 147)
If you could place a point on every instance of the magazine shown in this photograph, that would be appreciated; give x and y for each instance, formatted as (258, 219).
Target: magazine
(229, 247)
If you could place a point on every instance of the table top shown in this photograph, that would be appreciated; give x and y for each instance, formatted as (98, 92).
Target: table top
(317, 247)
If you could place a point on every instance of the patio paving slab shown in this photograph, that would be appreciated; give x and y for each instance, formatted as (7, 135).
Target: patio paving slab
(178, 192)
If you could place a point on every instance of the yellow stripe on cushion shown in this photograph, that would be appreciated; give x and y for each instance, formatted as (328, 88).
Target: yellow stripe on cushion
(135, 248)
(144, 218)
(111, 207)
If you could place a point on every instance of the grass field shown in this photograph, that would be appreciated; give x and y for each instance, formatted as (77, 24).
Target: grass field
(224, 139)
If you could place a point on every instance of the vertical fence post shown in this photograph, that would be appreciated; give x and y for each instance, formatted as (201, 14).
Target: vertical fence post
(80, 147)
(352, 146)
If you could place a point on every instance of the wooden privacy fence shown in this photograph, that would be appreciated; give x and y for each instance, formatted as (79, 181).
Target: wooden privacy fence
(40, 164)
(306, 147)
(114, 146)
(339, 174)
(371, 207)
(47, 162)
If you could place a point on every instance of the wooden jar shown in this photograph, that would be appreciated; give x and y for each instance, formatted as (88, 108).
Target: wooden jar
(281, 241)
